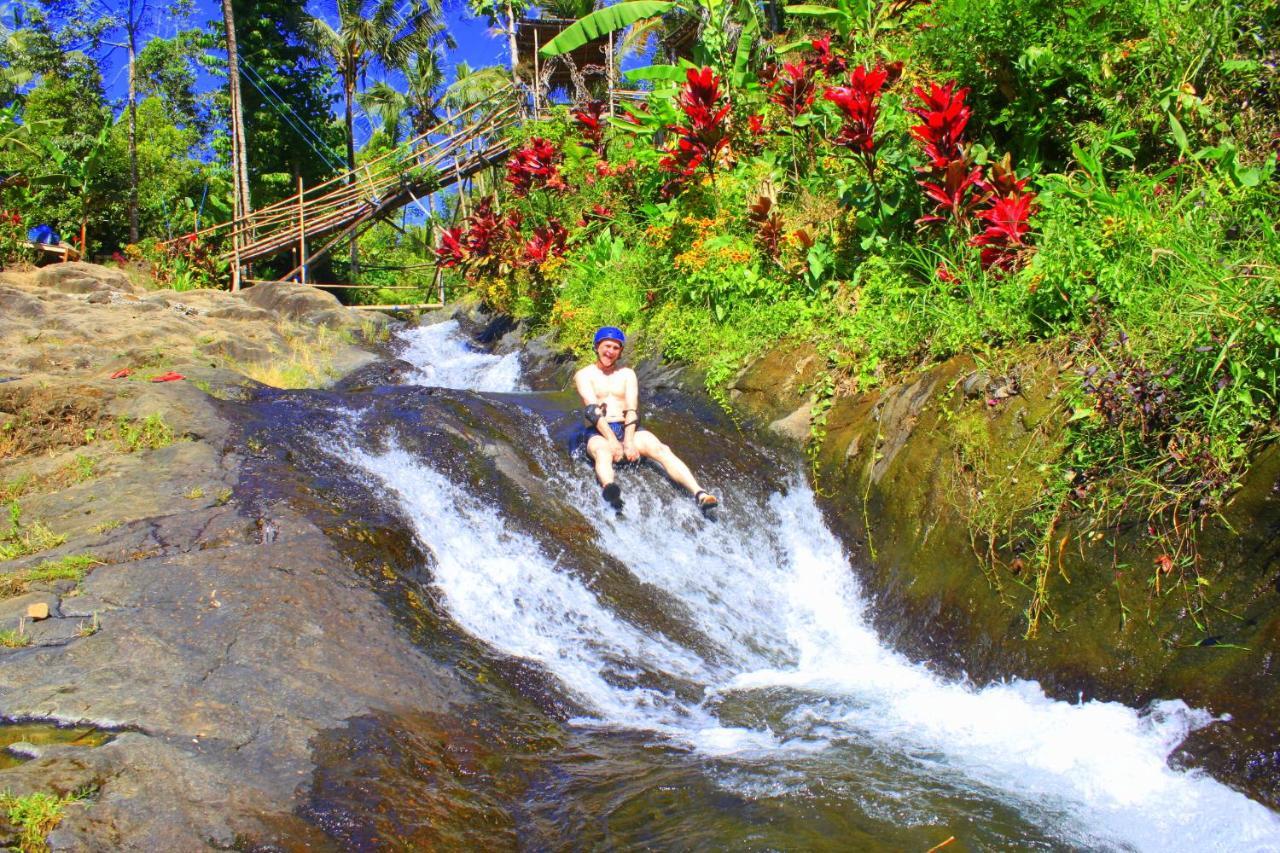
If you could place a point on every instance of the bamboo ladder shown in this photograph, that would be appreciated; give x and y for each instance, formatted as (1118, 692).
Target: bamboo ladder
(472, 141)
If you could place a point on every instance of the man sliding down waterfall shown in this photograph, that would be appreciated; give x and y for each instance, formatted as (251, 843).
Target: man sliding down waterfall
(611, 397)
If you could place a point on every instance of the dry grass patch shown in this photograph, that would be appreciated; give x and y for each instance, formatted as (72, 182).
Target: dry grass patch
(302, 359)
(40, 420)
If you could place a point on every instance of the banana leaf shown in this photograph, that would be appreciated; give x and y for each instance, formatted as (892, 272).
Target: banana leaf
(667, 73)
(602, 22)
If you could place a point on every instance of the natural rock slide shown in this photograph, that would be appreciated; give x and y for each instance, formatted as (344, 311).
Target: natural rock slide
(395, 613)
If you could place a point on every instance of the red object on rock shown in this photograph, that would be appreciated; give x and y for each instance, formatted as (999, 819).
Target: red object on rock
(168, 377)
(121, 373)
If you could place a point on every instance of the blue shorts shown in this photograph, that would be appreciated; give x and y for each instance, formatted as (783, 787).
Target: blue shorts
(588, 432)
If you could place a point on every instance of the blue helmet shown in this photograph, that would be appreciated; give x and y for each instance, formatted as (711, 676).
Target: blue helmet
(609, 333)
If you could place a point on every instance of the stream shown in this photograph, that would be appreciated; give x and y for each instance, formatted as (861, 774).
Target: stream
(719, 681)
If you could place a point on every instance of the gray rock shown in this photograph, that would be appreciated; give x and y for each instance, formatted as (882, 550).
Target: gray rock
(13, 609)
(239, 312)
(333, 318)
(16, 303)
(975, 384)
(294, 301)
(80, 277)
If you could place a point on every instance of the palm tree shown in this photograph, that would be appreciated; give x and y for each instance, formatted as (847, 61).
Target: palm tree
(372, 32)
(471, 86)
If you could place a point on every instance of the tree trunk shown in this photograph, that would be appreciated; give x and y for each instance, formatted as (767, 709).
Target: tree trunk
(133, 130)
(239, 164)
(511, 40)
(348, 94)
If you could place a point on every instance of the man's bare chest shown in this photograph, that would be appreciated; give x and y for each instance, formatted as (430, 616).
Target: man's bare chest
(614, 385)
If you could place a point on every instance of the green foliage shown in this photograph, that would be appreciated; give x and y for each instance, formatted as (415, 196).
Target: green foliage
(10, 638)
(149, 433)
(19, 539)
(36, 815)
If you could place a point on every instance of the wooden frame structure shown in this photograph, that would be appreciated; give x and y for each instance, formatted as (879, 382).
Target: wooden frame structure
(344, 206)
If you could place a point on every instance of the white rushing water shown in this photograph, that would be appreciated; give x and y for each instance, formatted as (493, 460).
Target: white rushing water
(781, 615)
(443, 358)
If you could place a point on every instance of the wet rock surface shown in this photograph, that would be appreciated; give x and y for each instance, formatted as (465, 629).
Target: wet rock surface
(216, 632)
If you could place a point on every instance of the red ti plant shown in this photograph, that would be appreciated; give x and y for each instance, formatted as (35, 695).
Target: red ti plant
(590, 123)
(824, 60)
(535, 165)
(794, 89)
(546, 243)
(485, 230)
(1010, 206)
(951, 181)
(705, 134)
(955, 193)
(597, 213)
(944, 116)
(769, 226)
(452, 251)
(858, 103)
(1002, 241)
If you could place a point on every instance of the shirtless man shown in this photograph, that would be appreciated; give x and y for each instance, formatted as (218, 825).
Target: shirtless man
(611, 397)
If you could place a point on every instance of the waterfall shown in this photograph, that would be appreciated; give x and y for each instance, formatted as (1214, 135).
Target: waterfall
(786, 688)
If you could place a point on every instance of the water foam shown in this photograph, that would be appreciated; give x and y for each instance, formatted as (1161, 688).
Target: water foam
(443, 358)
(775, 596)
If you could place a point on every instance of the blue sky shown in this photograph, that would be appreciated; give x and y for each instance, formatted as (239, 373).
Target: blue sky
(476, 46)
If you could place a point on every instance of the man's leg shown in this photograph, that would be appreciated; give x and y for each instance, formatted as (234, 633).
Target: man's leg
(651, 448)
(598, 450)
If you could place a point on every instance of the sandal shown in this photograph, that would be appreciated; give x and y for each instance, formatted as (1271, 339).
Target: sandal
(706, 500)
(612, 495)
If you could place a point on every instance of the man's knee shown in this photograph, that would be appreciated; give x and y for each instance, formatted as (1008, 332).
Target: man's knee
(656, 450)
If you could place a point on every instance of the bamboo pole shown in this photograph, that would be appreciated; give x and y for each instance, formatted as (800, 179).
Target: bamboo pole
(302, 236)
(410, 307)
(537, 77)
(502, 112)
(342, 207)
(608, 58)
(348, 192)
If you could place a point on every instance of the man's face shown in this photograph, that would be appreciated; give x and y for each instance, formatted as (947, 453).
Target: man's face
(608, 351)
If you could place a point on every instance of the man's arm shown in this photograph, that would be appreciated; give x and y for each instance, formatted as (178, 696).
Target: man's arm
(582, 382)
(630, 414)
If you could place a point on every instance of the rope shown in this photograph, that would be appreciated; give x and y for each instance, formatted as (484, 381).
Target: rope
(280, 98)
(296, 129)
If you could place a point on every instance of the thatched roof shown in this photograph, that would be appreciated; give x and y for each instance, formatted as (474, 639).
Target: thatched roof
(591, 59)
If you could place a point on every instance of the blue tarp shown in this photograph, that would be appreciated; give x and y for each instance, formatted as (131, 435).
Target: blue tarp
(44, 234)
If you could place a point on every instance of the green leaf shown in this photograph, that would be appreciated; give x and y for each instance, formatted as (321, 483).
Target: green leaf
(742, 57)
(1179, 135)
(602, 22)
(669, 73)
(1233, 65)
(795, 45)
(622, 124)
(814, 11)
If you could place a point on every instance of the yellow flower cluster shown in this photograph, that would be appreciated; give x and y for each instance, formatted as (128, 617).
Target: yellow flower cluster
(694, 259)
(660, 234)
(697, 257)
(550, 265)
(702, 224)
